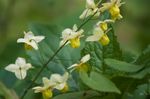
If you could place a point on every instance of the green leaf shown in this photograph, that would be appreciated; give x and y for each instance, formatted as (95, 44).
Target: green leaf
(7, 93)
(78, 95)
(122, 66)
(112, 50)
(98, 82)
(144, 57)
(95, 51)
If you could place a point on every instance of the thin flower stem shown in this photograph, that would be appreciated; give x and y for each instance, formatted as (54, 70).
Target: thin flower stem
(51, 58)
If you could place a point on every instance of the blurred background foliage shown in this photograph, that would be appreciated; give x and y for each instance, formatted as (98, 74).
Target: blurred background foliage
(133, 30)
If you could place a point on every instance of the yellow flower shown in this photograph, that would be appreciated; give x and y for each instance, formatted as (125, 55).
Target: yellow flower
(100, 36)
(104, 40)
(20, 68)
(113, 8)
(81, 65)
(104, 24)
(30, 40)
(46, 90)
(72, 36)
(60, 81)
(91, 8)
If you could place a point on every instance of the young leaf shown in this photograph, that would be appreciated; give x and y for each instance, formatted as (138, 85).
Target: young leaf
(98, 82)
(122, 66)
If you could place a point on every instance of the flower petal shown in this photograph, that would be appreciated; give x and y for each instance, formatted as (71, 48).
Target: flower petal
(85, 58)
(20, 61)
(21, 40)
(12, 68)
(38, 38)
(90, 4)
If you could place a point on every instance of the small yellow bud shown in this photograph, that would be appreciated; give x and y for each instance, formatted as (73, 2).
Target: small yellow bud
(47, 94)
(104, 40)
(65, 89)
(83, 67)
(115, 12)
(28, 47)
(104, 26)
(75, 42)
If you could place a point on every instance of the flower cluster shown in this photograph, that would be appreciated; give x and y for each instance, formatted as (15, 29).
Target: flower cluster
(71, 37)
(56, 81)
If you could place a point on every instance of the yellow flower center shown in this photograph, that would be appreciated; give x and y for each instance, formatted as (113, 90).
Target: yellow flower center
(47, 94)
(83, 67)
(104, 26)
(115, 12)
(75, 42)
(65, 89)
(28, 47)
(104, 40)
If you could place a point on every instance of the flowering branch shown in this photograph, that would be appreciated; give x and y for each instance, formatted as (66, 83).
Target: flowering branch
(51, 58)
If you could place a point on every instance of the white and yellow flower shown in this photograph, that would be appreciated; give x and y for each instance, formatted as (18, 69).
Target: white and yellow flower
(113, 7)
(19, 68)
(99, 35)
(46, 89)
(72, 36)
(30, 40)
(81, 65)
(91, 8)
(104, 24)
(60, 81)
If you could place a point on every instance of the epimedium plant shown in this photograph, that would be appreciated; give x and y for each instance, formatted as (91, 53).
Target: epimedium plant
(101, 72)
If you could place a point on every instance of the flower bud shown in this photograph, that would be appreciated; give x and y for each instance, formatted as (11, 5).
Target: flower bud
(47, 94)
(28, 47)
(65, 89)
(75, 42)
(115, 12)
(104, 26)
(104, 40)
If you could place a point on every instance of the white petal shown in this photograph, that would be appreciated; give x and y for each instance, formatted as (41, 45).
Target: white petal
(20, 74)
(90, 4)
(20, 62)
(85, 58)
(86, 13)
(21, 40)
(72, 66)
(28, 35)
(12, 68)
(46, 82)
(33, 44)
(66, 33)
(109, 21)
(93, 38)
(75, 27)
(60, 86)
(56, 78)
(27, 66)
(65, 76)
(38, 89)
(39, 38)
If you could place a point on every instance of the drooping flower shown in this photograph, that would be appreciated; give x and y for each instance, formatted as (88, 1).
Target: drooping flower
(30, 40)
(19, 68)
(113, 7)
(81, 65)
(99, 35)
(60, 81)
(91, 8)
(104, 24)
(46, 89)
(72, 36)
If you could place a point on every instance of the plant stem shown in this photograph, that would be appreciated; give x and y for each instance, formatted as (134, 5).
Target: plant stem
(51, 58)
